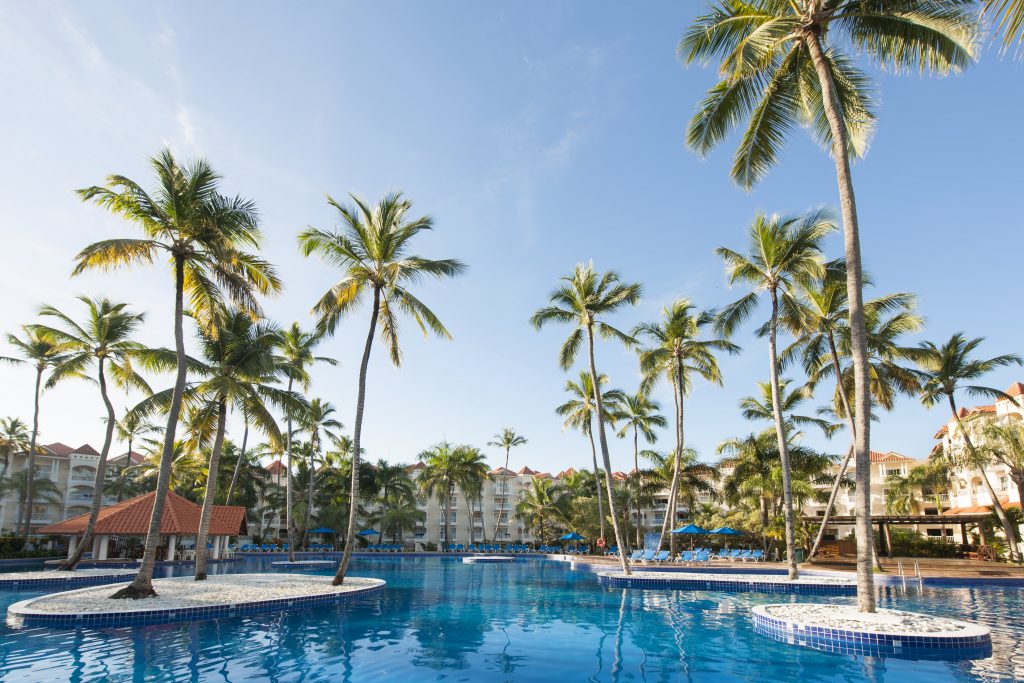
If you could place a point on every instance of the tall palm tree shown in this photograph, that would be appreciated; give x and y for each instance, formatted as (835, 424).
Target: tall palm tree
(205, 234)
(583, 300)
(472, 473)
(932, 480)
(43, 354)
(1004, 443)
(318, 421)
(760, 407)
(541, 503)
(396, 519)
(101, 343)
(1010, 17)
(396, 488)
(690, 477)
(14, 438)
(579, 411)
(783, 251)
(640, 415)
(948, 368)
(508, 438)
(295, 357)
(784, 63)
(676, 353)
(42, 489)
(372, 250)
(901, 496)
(234, 370)
(443, 473)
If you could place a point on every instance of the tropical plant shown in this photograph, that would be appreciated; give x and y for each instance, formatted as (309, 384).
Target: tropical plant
(205, 234)
(692, 479)
(783, 251)
(472, 473)
(579, 411)
(1010, 17)
(542, 504)
(42, 489)
(397, 519)
(1004, 443)
(318, 421)
(14, 438)
(43, 354)
(948, 368)
(372, 250)
(443, 472)
(901, 496)
(133, 427)
(101, 343)
(508, 439)
(784, 63)
(639, 414)
(583, 300)
(397, 490)
(124, 484)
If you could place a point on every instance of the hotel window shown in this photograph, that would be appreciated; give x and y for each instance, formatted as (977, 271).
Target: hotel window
(897, 472)
(1004, 482)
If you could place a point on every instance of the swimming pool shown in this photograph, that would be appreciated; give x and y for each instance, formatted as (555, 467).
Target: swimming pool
(532, 620)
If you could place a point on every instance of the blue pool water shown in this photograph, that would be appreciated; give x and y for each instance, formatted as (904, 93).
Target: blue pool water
(442, 620)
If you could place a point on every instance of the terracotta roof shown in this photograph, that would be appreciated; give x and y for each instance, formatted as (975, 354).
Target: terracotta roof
(276, 467)
(542, 475)
(891, 456)
(501, 471)
(131, 518)
(621, 476)
(1016, 389)
(57, 448)
(527, 470)
(86, 449)
(415, 467)
(980, 509)
(941, 433)
(565, 473)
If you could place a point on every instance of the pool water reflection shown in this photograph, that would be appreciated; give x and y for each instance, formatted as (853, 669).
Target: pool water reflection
(440, 619)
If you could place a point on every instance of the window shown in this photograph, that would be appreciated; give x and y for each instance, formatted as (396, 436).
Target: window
(40, 508)
(1004, 482)
(898, 472)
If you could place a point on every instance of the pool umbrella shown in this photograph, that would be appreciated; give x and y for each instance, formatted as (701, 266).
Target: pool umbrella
(726, 531)
(322, 530)
(571, 536)
(690, 530)
(367, 532)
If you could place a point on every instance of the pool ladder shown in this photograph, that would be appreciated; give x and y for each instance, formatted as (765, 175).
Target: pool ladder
(917, 574)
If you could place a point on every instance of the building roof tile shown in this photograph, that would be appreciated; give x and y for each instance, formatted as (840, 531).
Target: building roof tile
(131, 518)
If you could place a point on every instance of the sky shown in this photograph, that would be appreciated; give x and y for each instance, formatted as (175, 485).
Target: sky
(537, 135)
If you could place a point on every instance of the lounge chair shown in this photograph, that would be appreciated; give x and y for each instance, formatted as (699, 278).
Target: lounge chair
(648, 556)
(743, 556)
(757, 556)
(635, 556)
(662, 556)
(686, 557)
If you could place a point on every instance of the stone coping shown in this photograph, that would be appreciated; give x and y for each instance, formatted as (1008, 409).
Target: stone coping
(51, 578)
(308, 564)
(757, 583)
(488, 559)
(184, 599)
(892, 633)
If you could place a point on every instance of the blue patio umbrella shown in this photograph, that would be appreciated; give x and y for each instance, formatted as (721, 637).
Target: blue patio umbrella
(691, 530)
(322, 530)
(726, 531)
(367, 532)
(571, 536)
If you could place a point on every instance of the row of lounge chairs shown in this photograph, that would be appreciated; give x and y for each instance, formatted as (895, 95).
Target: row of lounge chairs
(385, 547)
(259, 548)
(493, 548)
(698, 556)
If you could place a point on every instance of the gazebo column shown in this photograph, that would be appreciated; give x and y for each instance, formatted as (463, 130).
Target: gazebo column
(104, 543)
(96, 547)
(72, 544)
(172, 546)
(216, 547)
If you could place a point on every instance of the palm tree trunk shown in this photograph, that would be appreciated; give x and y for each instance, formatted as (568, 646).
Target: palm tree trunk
(858, 331)
(357, 433)
(309, 492)
(289, 494)
(501, 499)
(101, 474)
(997, 507)
(448, 515)
(780, 432)
(241, 458)
(606, 459)
(597, 479)
(211, 491)
(636, 474)
(383, 514)
(142, 586)
(26, 506)
(670, 510)
(765, 518)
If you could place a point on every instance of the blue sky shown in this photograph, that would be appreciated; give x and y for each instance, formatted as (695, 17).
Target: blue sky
(537, 135)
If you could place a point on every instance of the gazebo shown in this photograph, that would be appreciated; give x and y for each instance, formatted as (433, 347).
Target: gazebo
(131, 518)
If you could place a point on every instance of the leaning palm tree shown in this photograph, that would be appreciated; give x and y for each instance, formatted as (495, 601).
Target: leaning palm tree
(640, 414)
(205, 234)
(948, 368)
(234, 370)
(784, 63)
(372, 250)
(783, 251)
(14, 438)
(295, 356)
(102, 343)
(318, 421)
(508, 439)
(43, 354)
(579, 411)
(678, 352)
(583, 300)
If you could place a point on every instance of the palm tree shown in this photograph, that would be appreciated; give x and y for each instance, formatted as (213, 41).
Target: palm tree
(42, 489)
(579, 411)
(583, 300)
(133, 427)
(372, 251)
(397, 518)
(508, 439)
(677, 353)
(396, 489)
(947, 368)
(640, 414)
(295, 356)
(124, 484)
(440, 477)
(1010, 15)
(471, 475)
(690, 476)
(782, 63)
(1004, 443)
(783, 251)
(234, 370)
(541, 503)
(205, 234)
(13, 439)
(42, 354)
(901, 496)
(104, 340)
(318, 421)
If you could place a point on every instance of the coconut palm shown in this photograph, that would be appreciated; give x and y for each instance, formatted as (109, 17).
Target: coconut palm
(583, 300)
(676, 353)
(784, 63)
(639, 414)
(133, 427)
(508, 439)
(901, 496)
(691, 477)
(443, 472)
(102, 344)
(295, 357)
(124, 484)
(948, 368)
(541, 504)
(759, 407)
(43, 354)
(42, 489)
(472, 473)
(1004, 443)
(1010, 17)
(783, 251)
(396, 519)
(234, 370)
(205, 234)
(372, 250)
(318, 421)
(14, 438)
(396, 489)
(932, 480)
(579, 411)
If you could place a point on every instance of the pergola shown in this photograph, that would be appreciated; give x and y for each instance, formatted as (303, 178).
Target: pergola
(949, 518)
(131, 518)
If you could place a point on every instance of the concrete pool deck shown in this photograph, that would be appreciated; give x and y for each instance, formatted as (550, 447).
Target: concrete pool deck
(184, 599)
